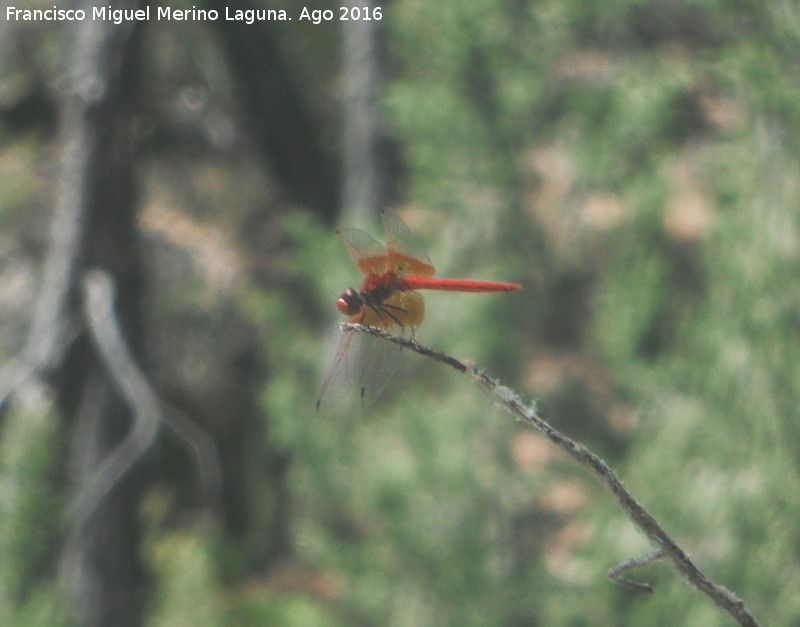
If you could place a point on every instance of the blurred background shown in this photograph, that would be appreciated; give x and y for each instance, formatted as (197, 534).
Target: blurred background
(633, 164)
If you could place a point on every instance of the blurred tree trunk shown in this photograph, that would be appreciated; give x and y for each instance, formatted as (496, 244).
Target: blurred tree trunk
(283, 126)
(94, 226)
(370, 160)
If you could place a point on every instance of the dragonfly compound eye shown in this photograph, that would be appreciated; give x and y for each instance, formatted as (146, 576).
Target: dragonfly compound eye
(350, 302)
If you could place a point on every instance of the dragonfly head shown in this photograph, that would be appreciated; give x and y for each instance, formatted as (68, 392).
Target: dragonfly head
(350, 302)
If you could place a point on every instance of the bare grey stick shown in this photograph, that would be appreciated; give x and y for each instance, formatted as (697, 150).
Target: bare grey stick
(511, 402)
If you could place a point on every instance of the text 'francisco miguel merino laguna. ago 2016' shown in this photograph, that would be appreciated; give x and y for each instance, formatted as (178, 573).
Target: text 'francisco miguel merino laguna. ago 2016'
(118, 16)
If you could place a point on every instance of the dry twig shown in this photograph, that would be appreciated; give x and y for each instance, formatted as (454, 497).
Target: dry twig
(615, 572)
(667, 547)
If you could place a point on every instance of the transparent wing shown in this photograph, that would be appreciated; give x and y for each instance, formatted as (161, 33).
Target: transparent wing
(368, 254)
(404, 250)
(359, 372)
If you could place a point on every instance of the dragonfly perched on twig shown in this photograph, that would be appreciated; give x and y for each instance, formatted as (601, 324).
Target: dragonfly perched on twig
(388, 298)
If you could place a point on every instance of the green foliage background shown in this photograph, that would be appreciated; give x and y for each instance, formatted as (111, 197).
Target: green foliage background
(635, 165)
(672, 151)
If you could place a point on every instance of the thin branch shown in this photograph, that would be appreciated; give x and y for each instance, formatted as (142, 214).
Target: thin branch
(511, 402)
(204, 450)
(615, 573)
(147, 414)
(113, 350)
(35, 360)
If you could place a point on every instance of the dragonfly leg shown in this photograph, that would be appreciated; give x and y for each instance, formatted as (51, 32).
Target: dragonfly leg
(384, 310)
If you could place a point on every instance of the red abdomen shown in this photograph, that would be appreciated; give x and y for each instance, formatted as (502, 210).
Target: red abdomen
(454, 285)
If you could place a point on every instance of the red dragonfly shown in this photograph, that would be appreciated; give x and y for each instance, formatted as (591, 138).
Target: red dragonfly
(388, 299)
